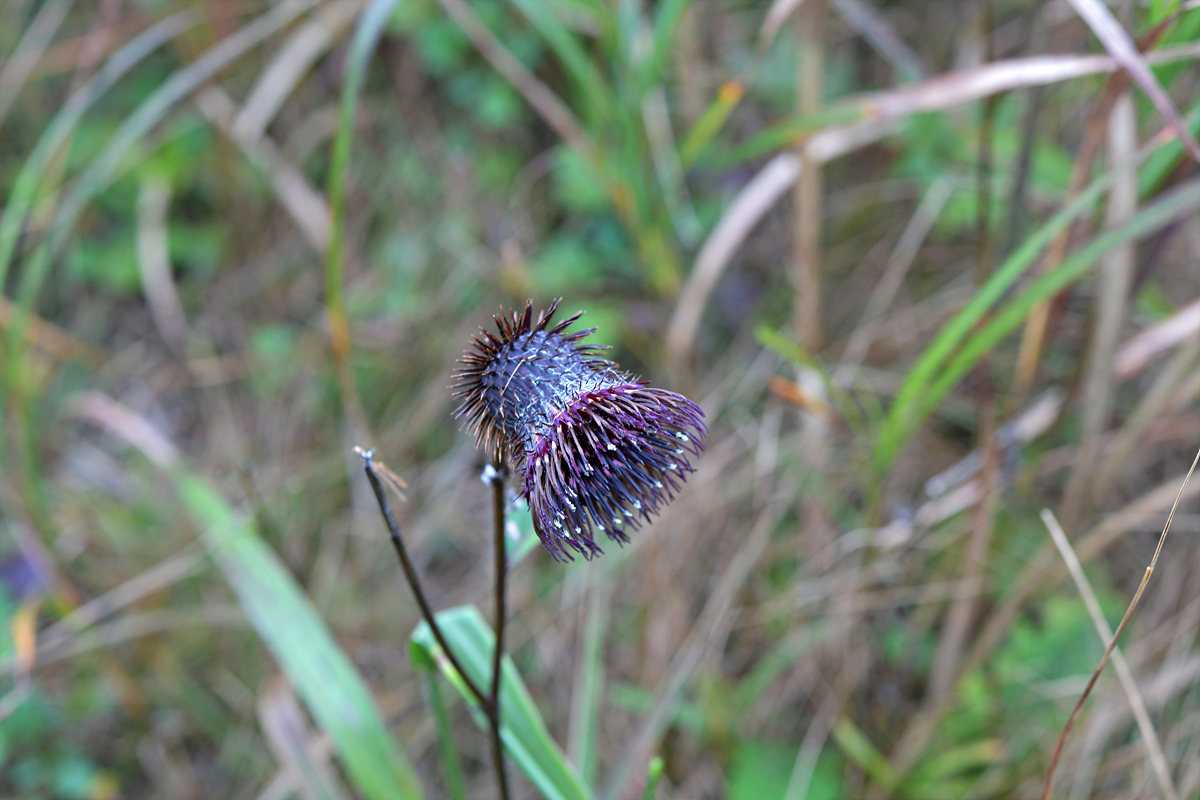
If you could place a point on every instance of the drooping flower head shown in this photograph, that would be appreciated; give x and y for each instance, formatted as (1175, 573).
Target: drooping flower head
(600, 451)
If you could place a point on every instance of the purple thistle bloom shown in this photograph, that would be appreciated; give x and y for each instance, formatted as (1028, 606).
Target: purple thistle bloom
(600, 450)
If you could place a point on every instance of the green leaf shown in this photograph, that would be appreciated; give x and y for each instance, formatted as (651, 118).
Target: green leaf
(297, 637)
(522, 729)
(426, 667)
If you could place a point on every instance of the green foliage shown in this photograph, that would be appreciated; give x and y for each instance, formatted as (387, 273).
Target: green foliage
(36, 759)
(110, 265)
(762, 770)
(577, 186)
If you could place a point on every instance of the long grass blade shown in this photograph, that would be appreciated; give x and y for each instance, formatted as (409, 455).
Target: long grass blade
(907, 411)
(366, 37)
(451, 760)
(1153, 218)
(18, 67)
(667, 16)
(598, 96)
(589, 679)
(295, 634)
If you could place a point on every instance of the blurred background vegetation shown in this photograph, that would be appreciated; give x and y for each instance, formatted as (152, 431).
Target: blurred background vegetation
(929, 267)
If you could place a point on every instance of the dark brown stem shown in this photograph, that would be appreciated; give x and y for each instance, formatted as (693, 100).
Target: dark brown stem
(414, 581)
(1137, 596)
(497, 481)
(1062, 736)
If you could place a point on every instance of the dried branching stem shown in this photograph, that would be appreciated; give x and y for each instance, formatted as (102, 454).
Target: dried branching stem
(489, 702)
(1137, 703)
(1062, 737)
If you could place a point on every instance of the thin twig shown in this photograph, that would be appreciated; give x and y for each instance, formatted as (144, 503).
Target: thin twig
(414, 582)
(1062, 737)
(1154, 749)
(496, 478)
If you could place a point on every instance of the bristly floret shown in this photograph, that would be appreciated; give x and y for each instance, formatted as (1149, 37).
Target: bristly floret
(599, 449)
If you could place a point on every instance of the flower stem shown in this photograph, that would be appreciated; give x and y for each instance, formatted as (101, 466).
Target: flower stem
(497, 481)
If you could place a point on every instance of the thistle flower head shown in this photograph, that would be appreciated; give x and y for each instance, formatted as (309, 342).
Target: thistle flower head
(599, 450)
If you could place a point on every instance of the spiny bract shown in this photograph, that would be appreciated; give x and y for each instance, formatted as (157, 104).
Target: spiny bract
(599, 449)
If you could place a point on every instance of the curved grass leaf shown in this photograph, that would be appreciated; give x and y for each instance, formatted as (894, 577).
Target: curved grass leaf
(298, 639)
(522, 729)
(451, 760)
(667, 16)
(104, 167)
(155, 107)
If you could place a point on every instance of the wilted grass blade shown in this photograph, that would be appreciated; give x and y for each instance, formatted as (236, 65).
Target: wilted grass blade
(936, 94)
(1121, 47)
